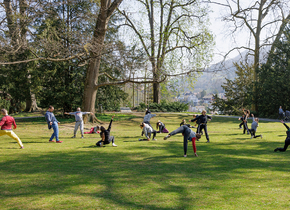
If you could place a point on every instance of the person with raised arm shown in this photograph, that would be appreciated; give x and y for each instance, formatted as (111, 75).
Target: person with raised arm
(6, 127)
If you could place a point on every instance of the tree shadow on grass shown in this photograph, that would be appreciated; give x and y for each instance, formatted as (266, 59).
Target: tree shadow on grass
(121, 174)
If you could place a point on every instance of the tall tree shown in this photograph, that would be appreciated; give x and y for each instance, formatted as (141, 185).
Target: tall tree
(273, 85)
(261, 18)
(175, 37)
(238, 92)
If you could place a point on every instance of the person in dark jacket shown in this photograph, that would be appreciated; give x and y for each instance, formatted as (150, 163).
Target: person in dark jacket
(203, 119)
(245, 120)
(287, 140)
(242, 123)
(105, 135)
(197, 122)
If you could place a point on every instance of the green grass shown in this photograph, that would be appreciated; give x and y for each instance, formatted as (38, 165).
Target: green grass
(231, 172)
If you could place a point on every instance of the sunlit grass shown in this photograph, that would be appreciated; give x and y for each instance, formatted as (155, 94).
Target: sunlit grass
(231, 172)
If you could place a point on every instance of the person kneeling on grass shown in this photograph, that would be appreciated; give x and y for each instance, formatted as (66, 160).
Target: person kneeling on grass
(287, 140)
(147, 130)
(105, 135)
(161, 127)
(6, 127)
(186, 131)
(254, 127)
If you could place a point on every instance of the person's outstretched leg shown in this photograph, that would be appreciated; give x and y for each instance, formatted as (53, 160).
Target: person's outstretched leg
(12, 135)
(287, 142)
(178, 130)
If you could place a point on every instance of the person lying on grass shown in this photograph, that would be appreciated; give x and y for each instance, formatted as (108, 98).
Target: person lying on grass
(6, 127)
(186, 132)
(147, 130)
(105, 135)
(287, 140)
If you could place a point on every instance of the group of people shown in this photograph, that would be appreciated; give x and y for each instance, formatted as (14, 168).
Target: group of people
(254, 124)
(188, 134)
(53, 123)
(7, 122)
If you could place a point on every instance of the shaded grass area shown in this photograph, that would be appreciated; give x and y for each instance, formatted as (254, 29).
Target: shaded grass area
(232, 172)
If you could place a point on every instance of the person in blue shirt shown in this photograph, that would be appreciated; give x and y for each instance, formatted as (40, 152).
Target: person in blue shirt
(52, 123)
(79, 120)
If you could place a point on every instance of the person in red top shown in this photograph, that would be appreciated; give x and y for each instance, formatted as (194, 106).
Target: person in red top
(6, 127)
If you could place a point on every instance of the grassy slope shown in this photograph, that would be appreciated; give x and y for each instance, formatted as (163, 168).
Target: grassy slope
(232, 172)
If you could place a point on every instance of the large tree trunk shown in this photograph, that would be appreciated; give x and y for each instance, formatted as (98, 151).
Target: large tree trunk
(31, 104)
(156, 93)
(90, 89)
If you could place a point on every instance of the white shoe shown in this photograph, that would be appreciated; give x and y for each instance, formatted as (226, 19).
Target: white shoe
(184, 155)
(154, 139)
(261, 136)
(114, 145)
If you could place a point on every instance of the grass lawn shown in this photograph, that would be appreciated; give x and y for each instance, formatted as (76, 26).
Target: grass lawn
(231, 172)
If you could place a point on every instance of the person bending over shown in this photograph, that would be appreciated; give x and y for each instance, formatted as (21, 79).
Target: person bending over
(79, 120)
(254, 127)
(147, 130)
(6, 127)
(105, 135)
(186, 132)
(287, 140)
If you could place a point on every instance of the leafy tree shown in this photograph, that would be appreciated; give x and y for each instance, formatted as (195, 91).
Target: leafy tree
(173, 35)
(274, 77)
(238, 91)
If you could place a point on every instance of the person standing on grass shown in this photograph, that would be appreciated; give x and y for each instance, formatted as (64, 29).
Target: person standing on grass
(52, 123)
(287, 140)
(245, 125)
(147, 130)
(203, 119)
(254, 127)
(105, 135)
(186, 132)
(79, 120)
(242, 123)
(197, 122)
(6, 127)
